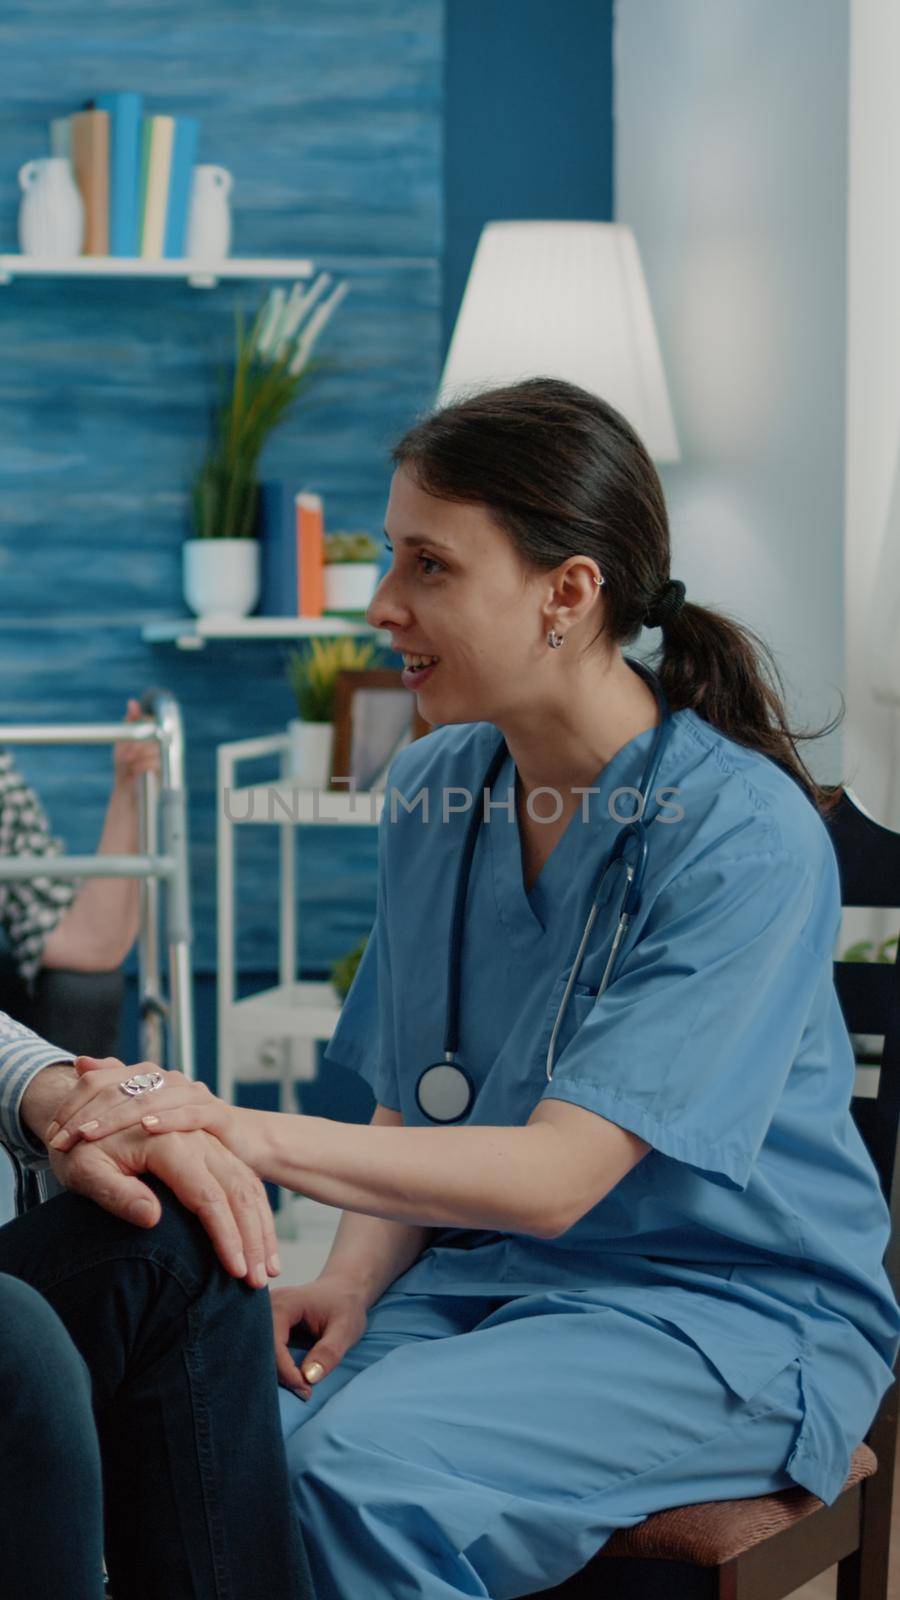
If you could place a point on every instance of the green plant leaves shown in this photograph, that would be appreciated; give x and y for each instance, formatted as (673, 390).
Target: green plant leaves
(866, 950)
(343, 548)
(266, 379)
(313, 674)
(344, 971)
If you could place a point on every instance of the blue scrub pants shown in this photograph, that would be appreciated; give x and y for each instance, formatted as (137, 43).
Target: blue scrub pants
(468, 1446)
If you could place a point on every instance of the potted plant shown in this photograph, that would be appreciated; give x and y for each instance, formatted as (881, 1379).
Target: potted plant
(312, 676)
(351, 572)
(272, 367)
(344, 971)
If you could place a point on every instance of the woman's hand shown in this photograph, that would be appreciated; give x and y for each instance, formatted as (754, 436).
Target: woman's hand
(98, 1107)
(133, 757)
(333, 1313)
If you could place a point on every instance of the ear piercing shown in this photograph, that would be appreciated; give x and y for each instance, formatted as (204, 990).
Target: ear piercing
(555, 639)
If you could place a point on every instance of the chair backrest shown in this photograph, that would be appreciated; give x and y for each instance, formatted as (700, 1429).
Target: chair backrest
(869, 992)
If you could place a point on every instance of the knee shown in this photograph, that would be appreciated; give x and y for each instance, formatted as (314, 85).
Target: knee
(43, 1378)
(70, 1227)
(179, 1238)
(34, 1345)
(178, 1241)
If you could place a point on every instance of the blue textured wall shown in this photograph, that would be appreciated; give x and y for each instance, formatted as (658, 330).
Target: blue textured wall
(329, 114)
(528, 121)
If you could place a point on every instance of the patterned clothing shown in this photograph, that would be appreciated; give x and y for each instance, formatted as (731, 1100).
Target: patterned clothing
(28, 911)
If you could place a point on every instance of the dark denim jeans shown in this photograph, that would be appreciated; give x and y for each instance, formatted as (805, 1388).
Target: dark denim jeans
(51, 1522)
(181, 1362)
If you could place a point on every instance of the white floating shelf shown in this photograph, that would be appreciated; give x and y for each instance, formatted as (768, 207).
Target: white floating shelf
(192, 633)
(286, 800)
(199, 274)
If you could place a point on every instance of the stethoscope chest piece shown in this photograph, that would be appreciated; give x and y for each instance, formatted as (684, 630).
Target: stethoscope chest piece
(445, 1092)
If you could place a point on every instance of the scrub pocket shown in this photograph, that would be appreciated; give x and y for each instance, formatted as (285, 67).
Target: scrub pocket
(747, 1349)
(581, 1002)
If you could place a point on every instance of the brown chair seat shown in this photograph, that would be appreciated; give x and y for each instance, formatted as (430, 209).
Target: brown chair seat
(715, 1531)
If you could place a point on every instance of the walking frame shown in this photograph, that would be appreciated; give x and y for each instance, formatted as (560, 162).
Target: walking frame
(166, 1023)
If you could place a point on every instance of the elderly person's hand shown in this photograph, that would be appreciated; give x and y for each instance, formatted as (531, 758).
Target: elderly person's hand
(133, 757)
(222, 1192)
(99, 1107)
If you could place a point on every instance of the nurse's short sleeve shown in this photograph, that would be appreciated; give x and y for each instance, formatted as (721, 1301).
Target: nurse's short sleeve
(364, 1037)
(692, 1043)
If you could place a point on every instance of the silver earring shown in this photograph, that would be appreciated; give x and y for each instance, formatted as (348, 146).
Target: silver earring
(555, 639)
(599, 582)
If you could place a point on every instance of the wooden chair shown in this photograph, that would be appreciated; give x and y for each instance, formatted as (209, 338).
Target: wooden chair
(766, 1547)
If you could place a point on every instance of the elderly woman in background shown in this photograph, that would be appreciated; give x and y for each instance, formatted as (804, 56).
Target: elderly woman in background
(53, 923)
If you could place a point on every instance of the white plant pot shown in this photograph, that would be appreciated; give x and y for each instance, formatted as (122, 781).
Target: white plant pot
(350, 585)
(221, 576)
(309, 752)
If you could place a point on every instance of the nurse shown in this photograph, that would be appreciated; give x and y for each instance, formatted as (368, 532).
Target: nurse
(643, 1264)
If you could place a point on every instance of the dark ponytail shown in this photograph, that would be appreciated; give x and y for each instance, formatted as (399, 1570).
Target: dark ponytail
(728, 675)
(564, 474)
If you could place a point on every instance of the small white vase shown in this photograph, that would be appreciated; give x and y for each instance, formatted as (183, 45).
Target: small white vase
(221, 576)
(350, 585)
(51, 212)
(310, 746)
(209, 214)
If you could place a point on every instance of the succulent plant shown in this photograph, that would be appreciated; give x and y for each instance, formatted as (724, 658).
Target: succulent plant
(341, 548)
(313, 674)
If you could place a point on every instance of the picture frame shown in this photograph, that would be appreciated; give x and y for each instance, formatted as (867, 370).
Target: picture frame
(374, 717)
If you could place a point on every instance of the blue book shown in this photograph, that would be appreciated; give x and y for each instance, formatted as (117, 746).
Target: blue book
(125, 111)
(278, 551)
(184, 150)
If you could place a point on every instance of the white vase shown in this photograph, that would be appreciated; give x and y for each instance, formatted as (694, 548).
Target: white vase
(350, 585)
(221, 576)
(310, 746)
(51, 212)
(209, 214)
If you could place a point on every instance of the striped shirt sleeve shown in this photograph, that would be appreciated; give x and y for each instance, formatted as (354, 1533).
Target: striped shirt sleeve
(22, 1055)
(29, 911)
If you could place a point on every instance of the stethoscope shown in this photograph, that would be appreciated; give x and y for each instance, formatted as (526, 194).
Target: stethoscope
(445, 1092)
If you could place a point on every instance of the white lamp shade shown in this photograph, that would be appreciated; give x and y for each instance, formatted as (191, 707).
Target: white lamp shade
(563, 300)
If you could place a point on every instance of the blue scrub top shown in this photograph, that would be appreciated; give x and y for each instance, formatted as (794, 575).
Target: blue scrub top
(756, 1223)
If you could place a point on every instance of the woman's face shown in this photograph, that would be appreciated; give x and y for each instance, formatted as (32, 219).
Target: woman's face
(458, 590)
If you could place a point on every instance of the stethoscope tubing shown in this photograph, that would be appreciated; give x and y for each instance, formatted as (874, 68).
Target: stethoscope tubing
(635, 872)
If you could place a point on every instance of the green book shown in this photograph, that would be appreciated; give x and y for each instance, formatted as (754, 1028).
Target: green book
(146, 142)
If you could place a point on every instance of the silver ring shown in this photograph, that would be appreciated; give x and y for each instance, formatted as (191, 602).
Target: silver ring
(143, 1083)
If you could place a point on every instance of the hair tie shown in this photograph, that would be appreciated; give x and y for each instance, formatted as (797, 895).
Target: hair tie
(667, 604)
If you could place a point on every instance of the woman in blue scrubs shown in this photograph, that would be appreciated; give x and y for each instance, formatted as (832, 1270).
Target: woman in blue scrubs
(654, 1276)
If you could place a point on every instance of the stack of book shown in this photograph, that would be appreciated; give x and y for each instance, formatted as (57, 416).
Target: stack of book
(291, 530)
(134, 174)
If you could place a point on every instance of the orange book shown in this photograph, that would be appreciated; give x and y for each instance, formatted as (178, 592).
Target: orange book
(310, 555)
(90, 162)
